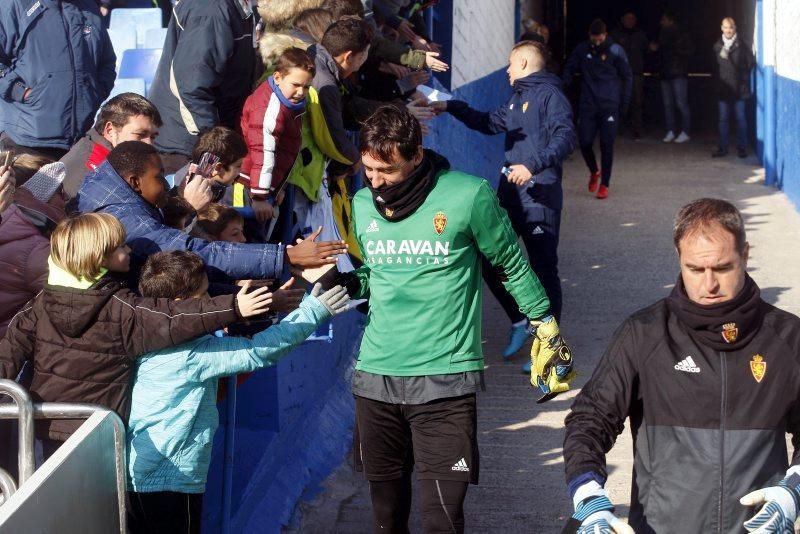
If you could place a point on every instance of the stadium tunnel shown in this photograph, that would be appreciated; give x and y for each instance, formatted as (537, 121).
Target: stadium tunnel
(569, 20)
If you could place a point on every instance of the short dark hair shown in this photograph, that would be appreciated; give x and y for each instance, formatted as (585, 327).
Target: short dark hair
(295, 58)
(540, 48)
(708, 212)
(389, 128)
(214, 218)
(344, 8)
(176, 209)
(173, 274)
(122, 107)
(131, 158)
(347, 34)
(314, 22)
(228, 145)
(597, 27)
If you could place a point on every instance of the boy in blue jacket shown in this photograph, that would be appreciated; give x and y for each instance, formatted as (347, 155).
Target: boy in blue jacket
(130, 185)
(540, 134)
(606, 83)
(173, 405)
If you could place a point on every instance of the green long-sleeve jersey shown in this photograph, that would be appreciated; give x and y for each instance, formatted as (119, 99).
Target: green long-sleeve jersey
(422, 276)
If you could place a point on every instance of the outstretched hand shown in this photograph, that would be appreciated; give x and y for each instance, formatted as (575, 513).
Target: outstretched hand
(310, 253)
(435, 64)
(286, 299)
(255, 303)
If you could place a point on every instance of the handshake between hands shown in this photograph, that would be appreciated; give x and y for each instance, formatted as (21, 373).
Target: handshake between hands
(305, 257)
(285, 299)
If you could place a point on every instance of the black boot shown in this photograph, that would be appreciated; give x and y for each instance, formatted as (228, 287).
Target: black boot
(719, 153)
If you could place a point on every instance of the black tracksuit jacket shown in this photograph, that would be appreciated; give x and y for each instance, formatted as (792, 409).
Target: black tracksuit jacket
(706, 431)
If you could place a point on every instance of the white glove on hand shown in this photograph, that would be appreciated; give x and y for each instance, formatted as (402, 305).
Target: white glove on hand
(335, 299)
(779, 510)
(595, 512)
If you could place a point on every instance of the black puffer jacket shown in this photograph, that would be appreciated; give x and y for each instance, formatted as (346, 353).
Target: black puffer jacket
(732, 70)
(83, 342)
(708, 426)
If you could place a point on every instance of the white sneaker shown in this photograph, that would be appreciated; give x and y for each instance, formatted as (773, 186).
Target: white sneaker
(682, 138)
(670, 137)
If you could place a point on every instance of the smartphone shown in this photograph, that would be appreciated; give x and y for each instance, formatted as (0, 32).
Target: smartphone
(204, 167)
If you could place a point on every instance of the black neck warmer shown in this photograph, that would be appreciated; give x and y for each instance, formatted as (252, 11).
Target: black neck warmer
(396, 202)
(726, 326)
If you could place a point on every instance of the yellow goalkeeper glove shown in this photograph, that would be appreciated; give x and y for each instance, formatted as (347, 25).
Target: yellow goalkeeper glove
(551, 359)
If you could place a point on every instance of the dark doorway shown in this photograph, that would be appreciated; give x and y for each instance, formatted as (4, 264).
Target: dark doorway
(569, 20)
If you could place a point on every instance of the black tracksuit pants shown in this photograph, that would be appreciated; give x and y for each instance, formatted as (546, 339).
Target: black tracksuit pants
(590, 123)
(539, 228)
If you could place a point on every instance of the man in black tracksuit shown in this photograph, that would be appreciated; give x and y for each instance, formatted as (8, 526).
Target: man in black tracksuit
(537, 121)
(606, 82)
(710, 378)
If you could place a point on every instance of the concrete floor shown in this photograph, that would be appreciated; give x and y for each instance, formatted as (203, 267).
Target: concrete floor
(616, 257)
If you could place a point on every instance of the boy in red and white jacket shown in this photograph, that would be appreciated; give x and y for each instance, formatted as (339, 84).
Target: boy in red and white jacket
(271, 124)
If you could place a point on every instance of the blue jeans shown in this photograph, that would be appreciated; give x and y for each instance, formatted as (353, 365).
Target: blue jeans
(739, 108)
(675, 93)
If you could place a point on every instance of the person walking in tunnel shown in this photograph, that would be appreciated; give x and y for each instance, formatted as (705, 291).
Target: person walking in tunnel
(710, 378)
(421, 227)
(674, 48)
(540, 134)
(606, 82)
(733, 61)
(634, 41)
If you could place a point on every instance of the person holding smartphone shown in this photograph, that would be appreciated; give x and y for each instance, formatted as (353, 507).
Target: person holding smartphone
(537, 121)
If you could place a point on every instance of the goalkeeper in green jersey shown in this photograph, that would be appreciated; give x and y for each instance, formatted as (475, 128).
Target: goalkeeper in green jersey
(421, 228)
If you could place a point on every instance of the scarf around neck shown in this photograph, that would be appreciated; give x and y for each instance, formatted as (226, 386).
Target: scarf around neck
(726, 326)
(60, 277)
(728, 43)
(398, 201)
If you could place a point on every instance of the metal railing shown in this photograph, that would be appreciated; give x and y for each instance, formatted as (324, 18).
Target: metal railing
(25, 411)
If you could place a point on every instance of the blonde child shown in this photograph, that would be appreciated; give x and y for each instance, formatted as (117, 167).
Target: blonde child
(84, 330)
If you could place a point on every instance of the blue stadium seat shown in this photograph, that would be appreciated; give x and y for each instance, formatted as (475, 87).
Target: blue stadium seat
(128, 85)
(140, 63)
(136, 19)
(154, 38)
(124, 85)
(122, 40)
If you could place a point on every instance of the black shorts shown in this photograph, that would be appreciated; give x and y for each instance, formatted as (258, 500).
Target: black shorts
(437, 439)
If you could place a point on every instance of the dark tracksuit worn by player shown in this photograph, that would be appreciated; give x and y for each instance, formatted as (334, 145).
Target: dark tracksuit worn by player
(711, 392)
(540, 134)
(606, 84)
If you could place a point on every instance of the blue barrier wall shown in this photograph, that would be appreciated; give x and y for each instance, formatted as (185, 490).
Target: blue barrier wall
(778, 94)
(294, 421)
(470, 151)
(293, 427)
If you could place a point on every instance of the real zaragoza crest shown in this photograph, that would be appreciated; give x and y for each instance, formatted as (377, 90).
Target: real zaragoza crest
(439, 222)
(729, 332)
(758, 367)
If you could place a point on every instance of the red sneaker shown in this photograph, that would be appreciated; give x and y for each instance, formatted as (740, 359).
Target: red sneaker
(594, 179)
(602, 192)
